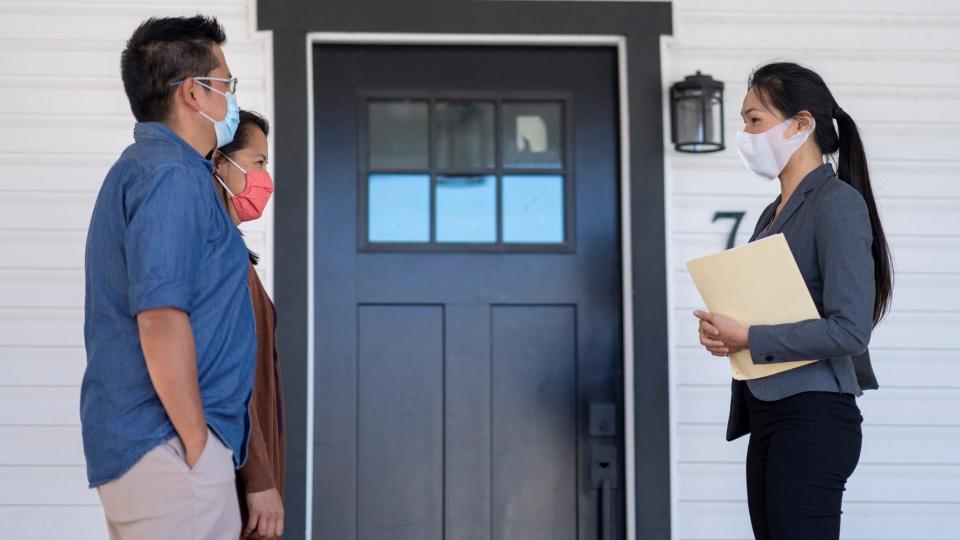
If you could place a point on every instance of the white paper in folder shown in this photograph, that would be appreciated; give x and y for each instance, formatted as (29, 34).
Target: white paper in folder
(758, 283)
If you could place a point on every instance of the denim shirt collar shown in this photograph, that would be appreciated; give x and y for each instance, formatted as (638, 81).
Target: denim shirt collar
(158, 130)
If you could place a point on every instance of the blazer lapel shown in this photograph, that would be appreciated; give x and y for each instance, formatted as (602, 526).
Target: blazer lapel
(765, 218)
(794, 204)
(810, 183)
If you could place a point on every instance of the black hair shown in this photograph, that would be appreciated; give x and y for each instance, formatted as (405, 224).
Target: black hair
(249, 120)
(792, 88)
(162, 51)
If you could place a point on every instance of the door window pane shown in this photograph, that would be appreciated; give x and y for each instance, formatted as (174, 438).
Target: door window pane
(398, 208)
(467, 208)
(464, 136)
(532, 135)
(398, 135)
(533, 209)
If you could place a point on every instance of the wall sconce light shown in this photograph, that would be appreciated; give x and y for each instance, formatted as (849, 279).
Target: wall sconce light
(696, 112)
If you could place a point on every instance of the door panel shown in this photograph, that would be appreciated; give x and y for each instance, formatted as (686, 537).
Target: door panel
(534, 422)
(400, 421)
(467, 291)
(468, 427)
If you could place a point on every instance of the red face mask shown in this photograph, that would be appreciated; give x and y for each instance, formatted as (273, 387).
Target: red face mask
(250, 203)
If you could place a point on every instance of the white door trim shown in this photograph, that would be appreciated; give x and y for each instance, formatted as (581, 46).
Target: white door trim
(547, 40)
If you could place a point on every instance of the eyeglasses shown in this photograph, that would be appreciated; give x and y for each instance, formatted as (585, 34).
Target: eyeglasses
(231, 82)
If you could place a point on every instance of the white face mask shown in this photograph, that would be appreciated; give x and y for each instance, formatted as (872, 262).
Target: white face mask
(767, 153)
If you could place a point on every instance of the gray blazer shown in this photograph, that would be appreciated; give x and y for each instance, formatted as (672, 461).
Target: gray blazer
(827, 226)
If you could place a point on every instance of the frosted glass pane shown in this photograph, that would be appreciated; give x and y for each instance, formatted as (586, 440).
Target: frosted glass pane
(467, 208)
(397, 133)
(398, 208)
(533, 209)
(532, 135)
(464, 135)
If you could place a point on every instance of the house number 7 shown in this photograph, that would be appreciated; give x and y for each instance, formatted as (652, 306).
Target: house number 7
(737, 217)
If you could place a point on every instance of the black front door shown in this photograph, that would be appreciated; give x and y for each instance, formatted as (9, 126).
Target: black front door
(468, 299)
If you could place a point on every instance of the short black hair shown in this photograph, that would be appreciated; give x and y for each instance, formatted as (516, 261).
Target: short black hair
(162, 51)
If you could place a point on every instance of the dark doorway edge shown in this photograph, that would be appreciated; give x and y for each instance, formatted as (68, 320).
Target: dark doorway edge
(634, 28)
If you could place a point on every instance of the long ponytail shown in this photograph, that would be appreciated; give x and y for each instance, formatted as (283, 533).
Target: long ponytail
(852, 168)
(792, 88)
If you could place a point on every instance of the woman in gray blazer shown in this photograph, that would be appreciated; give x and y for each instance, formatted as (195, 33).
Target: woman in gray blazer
(804, 424)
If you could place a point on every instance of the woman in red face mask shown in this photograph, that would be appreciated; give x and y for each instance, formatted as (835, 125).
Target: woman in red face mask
(242, 179)
(241, 169)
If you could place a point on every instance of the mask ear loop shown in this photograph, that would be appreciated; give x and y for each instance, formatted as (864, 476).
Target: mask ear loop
(207, 86)
(222, 183)
(221, 180)
(234, 163)
(810, 128)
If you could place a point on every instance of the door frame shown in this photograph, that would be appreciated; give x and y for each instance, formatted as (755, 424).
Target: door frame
(617, 42)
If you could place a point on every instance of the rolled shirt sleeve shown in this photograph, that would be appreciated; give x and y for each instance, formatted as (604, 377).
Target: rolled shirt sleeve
(164, 239)
(844, 246)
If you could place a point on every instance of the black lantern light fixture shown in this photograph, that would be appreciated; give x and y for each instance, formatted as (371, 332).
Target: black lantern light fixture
(696, 112)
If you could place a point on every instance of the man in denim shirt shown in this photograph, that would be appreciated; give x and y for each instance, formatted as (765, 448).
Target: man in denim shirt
(169, 328)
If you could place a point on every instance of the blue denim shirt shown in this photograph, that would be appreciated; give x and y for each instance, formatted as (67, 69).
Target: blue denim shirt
(160, 237)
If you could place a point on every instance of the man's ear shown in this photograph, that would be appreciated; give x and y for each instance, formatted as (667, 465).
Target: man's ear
(188, 91)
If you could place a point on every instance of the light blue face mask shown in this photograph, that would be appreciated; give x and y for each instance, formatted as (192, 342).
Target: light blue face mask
(227, 127)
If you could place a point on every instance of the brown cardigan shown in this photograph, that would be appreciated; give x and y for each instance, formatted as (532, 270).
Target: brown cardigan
(264, 468)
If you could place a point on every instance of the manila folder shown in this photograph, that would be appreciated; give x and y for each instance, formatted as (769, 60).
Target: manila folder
(758, 283)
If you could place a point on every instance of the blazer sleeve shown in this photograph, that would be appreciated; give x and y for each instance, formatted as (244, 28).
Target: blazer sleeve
(844, 240)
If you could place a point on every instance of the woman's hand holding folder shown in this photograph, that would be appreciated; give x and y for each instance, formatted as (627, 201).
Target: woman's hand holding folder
(721, 335)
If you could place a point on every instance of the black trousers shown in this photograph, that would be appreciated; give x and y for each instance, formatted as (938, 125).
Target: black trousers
(802, 450)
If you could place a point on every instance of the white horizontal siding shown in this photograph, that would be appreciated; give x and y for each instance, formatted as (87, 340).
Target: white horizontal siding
(96, 21)
(39, 445)
(876, 521)
(41, 365)
(64, 119)
(770, 25)
(48, 521)
(895, 67)
(31, 486)
(845, 66)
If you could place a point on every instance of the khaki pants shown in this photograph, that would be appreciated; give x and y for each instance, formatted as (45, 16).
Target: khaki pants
(160, 498)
